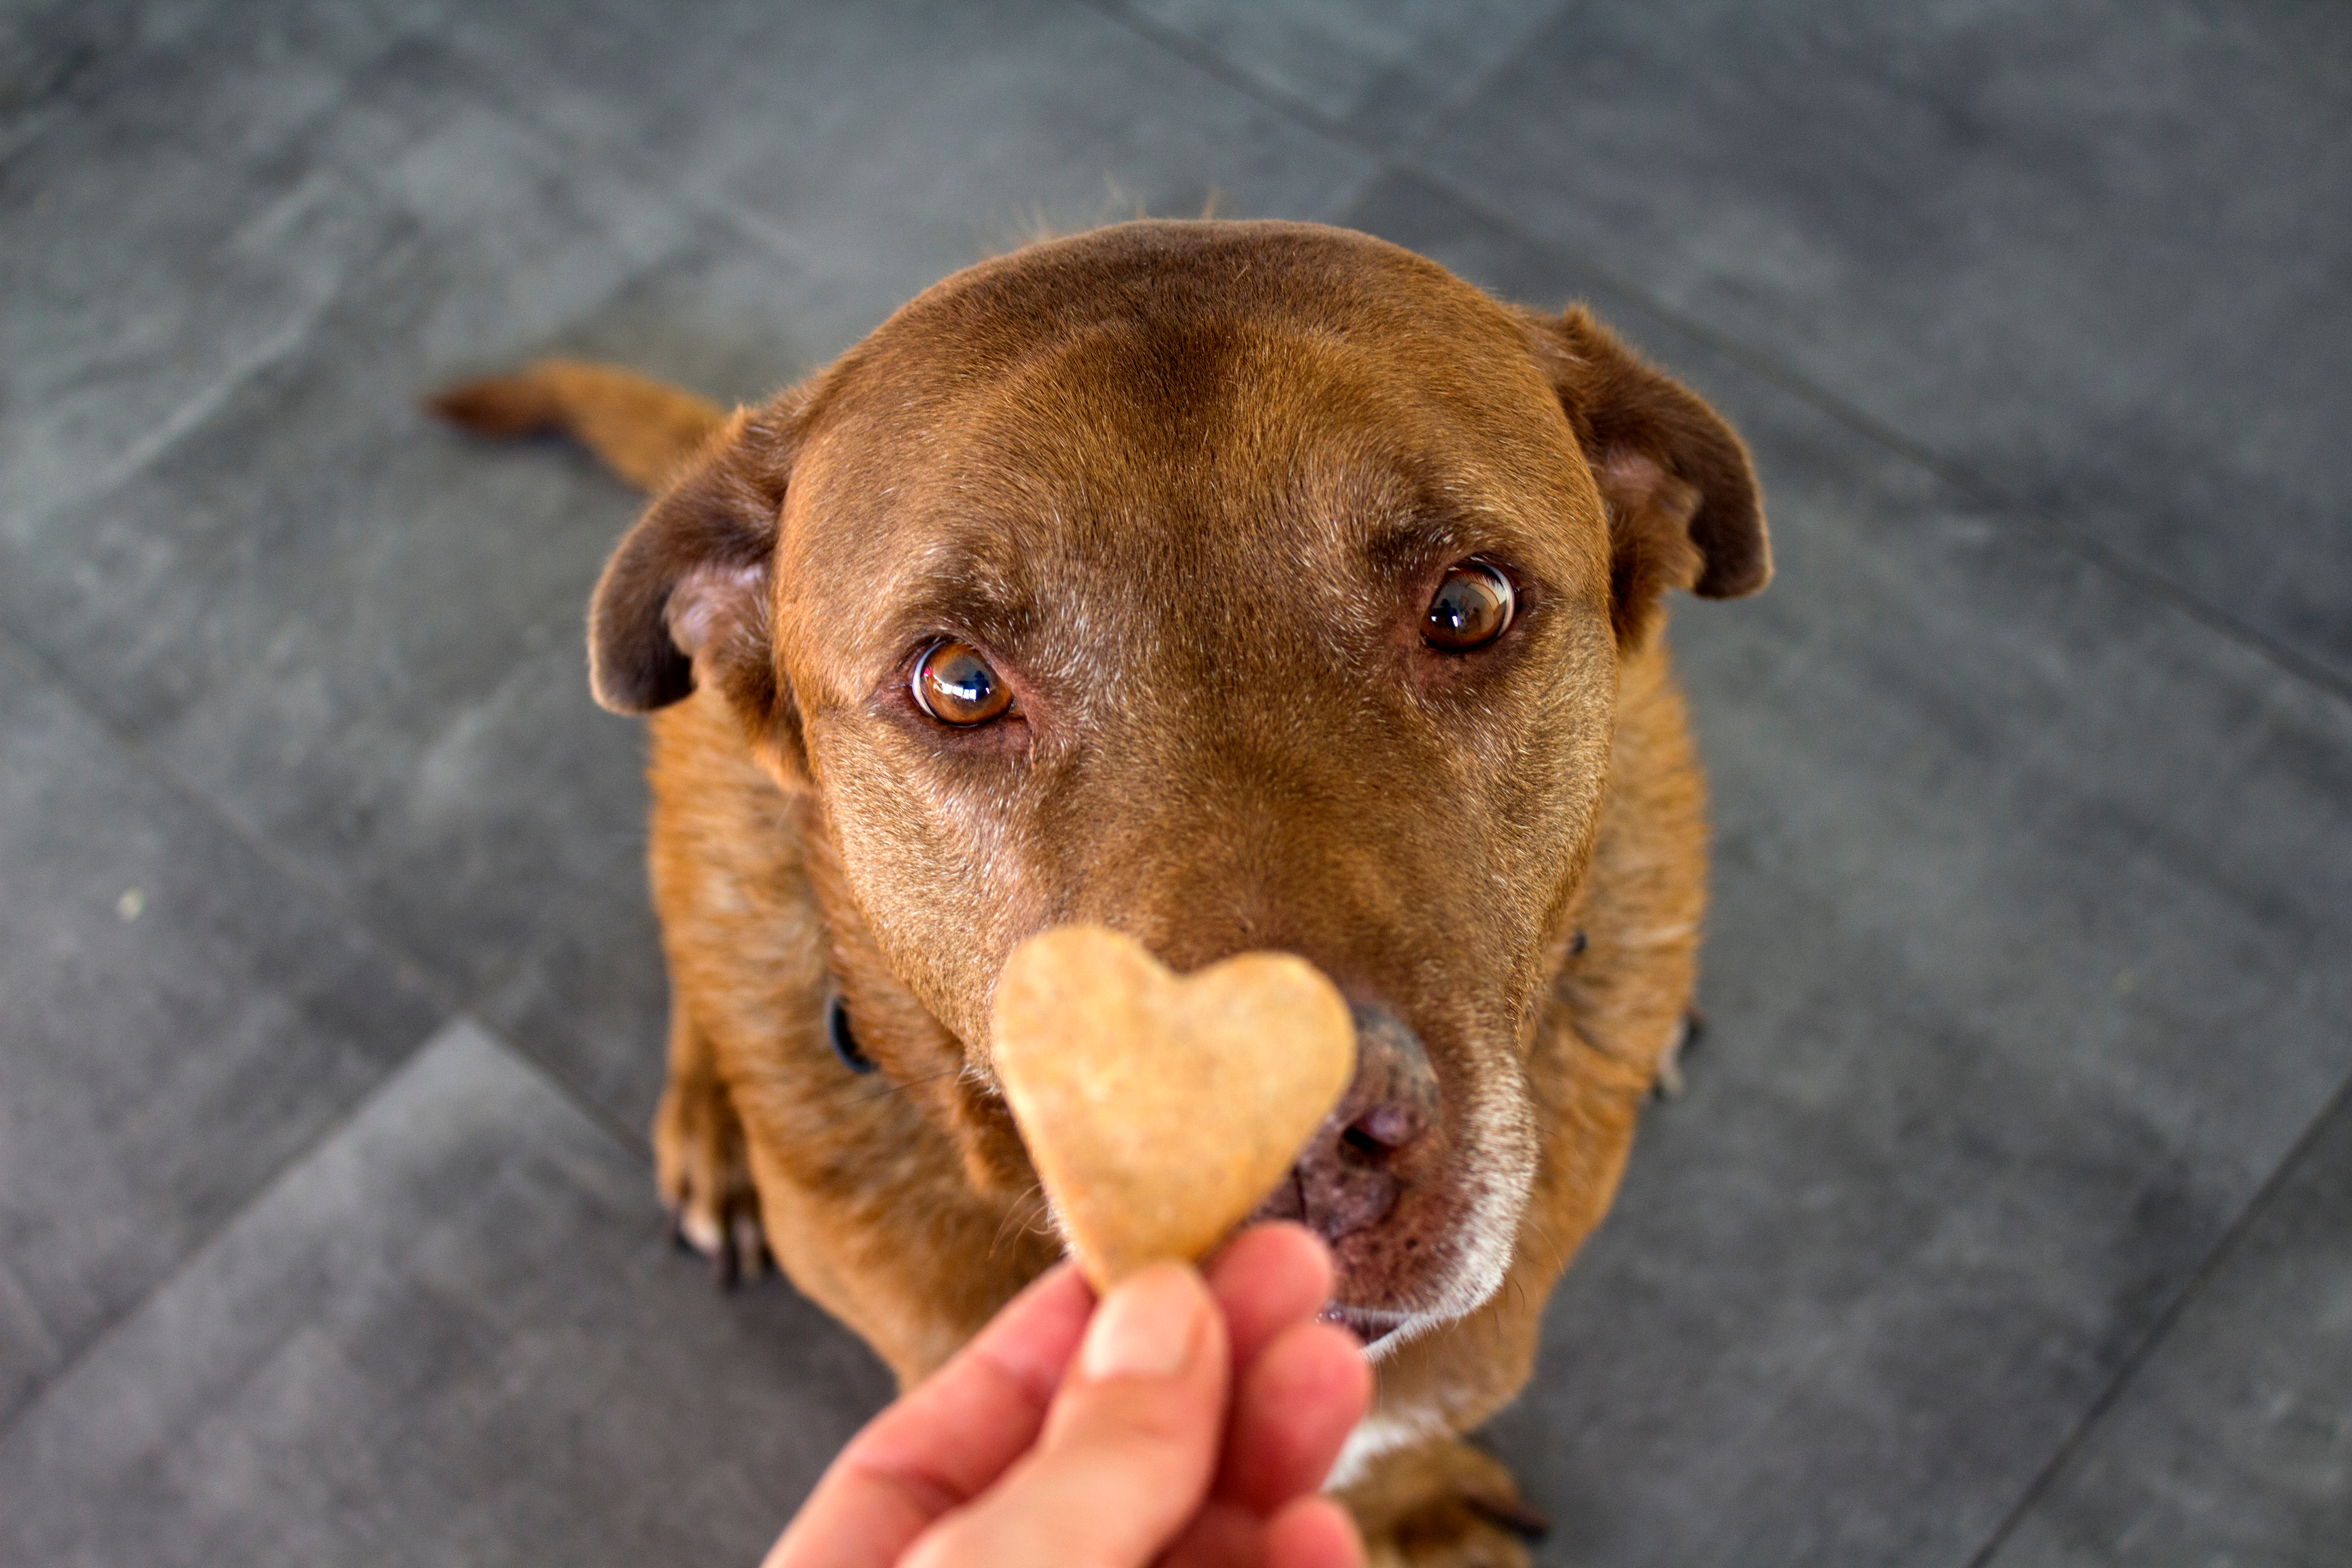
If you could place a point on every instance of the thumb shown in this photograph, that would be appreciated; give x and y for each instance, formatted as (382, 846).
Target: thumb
(1128, 1448)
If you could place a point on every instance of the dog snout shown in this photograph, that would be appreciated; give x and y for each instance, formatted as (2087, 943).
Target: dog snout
(1369, 1148)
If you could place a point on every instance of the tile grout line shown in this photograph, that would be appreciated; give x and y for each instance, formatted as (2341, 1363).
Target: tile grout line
(1282, 101)
(2338, 1101)
(17, 652)
(1201, 57)
(16, 649)
(636, 1143)
(195, 412)
(1207, 60)
(2007, 505)
(2010, 507)
(450, 1002)
(114, 1327)
(1446, 104)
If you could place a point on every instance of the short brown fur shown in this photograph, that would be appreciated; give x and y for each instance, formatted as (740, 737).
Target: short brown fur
(1109, 422)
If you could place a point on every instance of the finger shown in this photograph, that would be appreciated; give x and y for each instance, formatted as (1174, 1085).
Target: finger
(1292, 1413)
(947, 1439)
(1129, 1448)
(1220, 1536)
(1268, 1278)
(1313, 1533)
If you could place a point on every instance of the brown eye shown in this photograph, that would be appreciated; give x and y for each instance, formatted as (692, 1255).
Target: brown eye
(954, 685)
(1469, 610)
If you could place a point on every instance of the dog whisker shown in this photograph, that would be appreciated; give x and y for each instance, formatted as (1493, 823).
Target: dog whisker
(1025, 1211)
(894, 1087)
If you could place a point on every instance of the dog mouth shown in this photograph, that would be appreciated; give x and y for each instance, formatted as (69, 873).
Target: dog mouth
(1372, 1326)
(1420, 1207)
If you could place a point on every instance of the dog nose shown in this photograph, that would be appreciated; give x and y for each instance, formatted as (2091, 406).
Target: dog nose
(1356, 1165)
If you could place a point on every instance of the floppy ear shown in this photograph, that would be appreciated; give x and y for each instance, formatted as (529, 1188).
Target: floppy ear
(684, 600)
(1684, 508)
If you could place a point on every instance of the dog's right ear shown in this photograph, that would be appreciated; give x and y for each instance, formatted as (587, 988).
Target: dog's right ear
(684, 600)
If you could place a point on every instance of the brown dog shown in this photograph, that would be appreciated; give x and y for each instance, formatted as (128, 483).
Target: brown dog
(1239, 585)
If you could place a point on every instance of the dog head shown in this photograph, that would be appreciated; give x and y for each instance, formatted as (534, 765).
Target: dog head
(1235, 585)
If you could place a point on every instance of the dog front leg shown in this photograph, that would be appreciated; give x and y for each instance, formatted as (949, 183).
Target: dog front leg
(700, 1161)
(1441, 1504)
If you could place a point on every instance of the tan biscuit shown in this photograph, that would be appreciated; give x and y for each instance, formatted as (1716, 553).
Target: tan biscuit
(1159, 1109)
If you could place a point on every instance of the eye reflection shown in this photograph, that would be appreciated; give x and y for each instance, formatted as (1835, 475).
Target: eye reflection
(1470, 609)
(954, 685)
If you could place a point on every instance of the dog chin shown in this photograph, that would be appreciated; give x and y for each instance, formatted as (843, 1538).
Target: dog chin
(1486, 1237)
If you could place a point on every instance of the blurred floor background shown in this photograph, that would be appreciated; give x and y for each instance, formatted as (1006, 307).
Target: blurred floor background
(2007, 1218)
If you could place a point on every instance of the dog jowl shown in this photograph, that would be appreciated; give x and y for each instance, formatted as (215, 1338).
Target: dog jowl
(1238, 586)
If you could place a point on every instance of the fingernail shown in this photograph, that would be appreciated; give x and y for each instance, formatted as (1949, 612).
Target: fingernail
(1145, 1327)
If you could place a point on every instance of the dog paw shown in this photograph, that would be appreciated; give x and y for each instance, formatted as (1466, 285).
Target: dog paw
(1443, 1505)
(705, 1178)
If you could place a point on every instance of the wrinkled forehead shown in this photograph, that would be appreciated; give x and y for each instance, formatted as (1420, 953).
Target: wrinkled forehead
(1181, 449)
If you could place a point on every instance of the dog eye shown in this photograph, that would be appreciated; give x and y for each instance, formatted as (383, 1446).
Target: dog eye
(954, 685)
(1469, 610)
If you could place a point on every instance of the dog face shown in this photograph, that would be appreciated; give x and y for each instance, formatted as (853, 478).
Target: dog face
(1235, 585)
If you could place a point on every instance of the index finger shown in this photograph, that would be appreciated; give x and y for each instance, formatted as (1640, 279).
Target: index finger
(947, 1439)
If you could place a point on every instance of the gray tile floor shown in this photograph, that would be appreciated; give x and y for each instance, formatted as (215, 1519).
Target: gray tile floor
(2009, 1217)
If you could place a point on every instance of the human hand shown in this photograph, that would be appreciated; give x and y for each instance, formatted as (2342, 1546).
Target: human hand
(1186, 1421)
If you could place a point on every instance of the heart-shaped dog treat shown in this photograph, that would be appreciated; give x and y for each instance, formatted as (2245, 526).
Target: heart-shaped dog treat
(1160, 1109)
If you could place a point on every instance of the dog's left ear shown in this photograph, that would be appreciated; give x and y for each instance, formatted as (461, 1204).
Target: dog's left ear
(1685, 510)
(683, 602)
